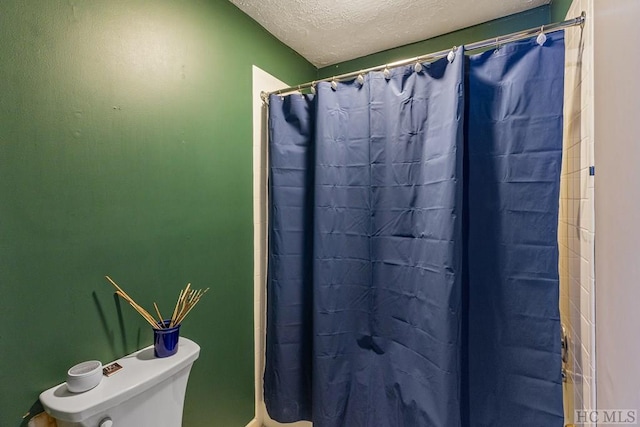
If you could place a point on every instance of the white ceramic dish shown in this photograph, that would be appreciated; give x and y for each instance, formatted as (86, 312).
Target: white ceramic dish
(84, 376)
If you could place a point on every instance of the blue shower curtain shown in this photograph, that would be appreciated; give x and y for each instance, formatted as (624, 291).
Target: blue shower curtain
(411, 276)
(514, 151)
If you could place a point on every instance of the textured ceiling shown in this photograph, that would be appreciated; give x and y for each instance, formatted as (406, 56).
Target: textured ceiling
(326, 32)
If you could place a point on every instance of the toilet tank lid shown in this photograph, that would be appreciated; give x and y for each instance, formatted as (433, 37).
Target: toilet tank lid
(140, 371)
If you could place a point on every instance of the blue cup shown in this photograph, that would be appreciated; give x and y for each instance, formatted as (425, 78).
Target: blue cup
(165, 341)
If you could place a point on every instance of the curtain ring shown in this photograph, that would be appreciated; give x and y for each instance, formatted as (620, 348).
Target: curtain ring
(542, 37)
(451, 56)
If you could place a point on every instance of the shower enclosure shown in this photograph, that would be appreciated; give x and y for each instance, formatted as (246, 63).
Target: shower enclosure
(413, 244)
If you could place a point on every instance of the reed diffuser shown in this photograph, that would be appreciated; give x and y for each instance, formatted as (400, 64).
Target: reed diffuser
(187, 299)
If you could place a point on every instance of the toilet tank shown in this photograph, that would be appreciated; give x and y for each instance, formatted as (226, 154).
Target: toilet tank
(146, 392)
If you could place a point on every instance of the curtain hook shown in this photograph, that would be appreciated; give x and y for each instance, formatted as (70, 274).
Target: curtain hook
(418, 67)
(386, 72)
(360, 79)
(497, 44)
(334, 84)
(313, 87)
(542, 37)
(451, 56)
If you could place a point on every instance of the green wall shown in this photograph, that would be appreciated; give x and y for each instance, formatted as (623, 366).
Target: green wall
(559, 9)
(126, 149)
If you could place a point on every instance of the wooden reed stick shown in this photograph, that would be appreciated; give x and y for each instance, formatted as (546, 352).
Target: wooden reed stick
(151, 321)
(192, 304)
(175, 310)
(138, 308)
(161, 322)
(180, 305)
(118, 288)
(185, 299)
(144, 313)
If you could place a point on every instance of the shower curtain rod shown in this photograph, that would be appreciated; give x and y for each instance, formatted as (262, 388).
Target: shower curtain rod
(484, 44)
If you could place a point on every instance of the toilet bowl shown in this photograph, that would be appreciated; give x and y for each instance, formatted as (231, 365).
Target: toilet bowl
(146, 392)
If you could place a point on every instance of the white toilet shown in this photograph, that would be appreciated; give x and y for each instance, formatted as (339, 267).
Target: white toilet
(146, 392)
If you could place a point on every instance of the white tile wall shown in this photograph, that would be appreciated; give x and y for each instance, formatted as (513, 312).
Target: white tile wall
(576, 220)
